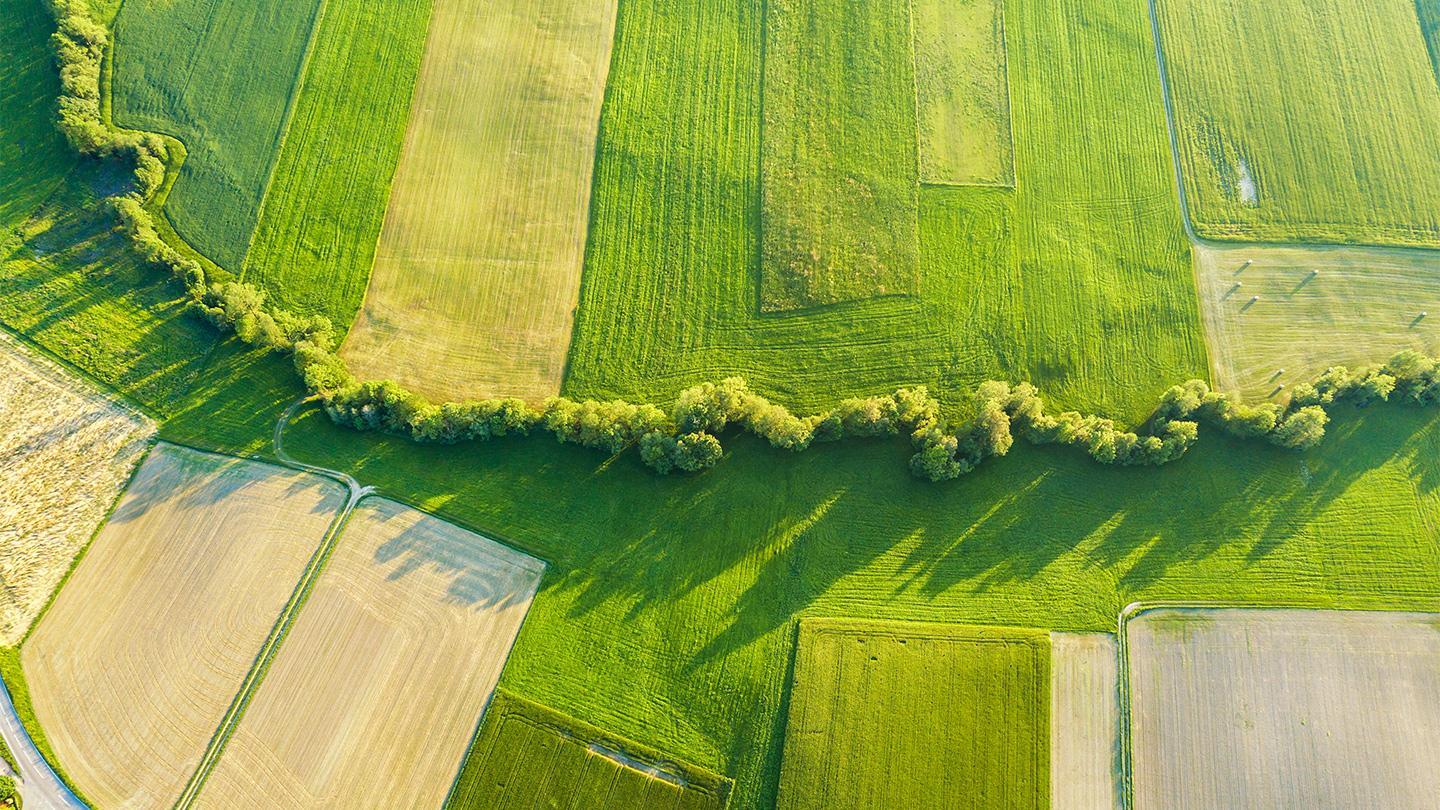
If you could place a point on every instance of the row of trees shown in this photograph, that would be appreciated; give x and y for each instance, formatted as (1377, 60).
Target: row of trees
(686, 436)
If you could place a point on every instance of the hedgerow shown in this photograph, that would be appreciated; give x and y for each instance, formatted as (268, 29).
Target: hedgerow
(686, 437)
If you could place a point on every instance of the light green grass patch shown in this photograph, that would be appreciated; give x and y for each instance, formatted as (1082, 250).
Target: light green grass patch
(839, 195)
(34, 159)
(1305, 120)
(315, 239)
(1317, 307)
(963, 92)
(527, 755)
(218, 75)
(917, 715)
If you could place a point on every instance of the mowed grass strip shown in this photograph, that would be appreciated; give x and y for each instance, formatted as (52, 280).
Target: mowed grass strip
(67, 450)
(963, 92)
(378, 687)
(137, 659)
(1305, 120)
(315, 239)
(527, 755)
(917, 715)
(1276, 315)
(477, 273)
(839, 176)
(218, 75)
(1283, 708)
(34, 158)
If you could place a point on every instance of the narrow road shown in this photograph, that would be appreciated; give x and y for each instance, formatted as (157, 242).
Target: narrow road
(40, 788)
(267, 653)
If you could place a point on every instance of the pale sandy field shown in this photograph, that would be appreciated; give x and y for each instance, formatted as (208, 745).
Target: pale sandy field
(378, 688)
(1284, 708)
(132, 668)
(477, 273)
(66, 451)
(1084, 721)
(1362, 308)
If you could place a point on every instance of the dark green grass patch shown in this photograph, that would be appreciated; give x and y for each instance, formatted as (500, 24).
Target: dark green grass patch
(70, 284)
(34, 159)
(218, 75)
(838, 166)
(315, 240)
(1305, 120)
(900, 714)
(1429, 13)
(529, 756)
(668, 614)
(1079, 280)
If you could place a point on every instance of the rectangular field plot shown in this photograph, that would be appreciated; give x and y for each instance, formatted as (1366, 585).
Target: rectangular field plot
(477, 273)
(66, 451)
(137, 660)
(916, 716)
(963, 92)
(527, 755)
(1305, 119)
(218, 75)
(376, 690)
(1284, 708)
(1317, 307)
(839, 185)
(1084, 721)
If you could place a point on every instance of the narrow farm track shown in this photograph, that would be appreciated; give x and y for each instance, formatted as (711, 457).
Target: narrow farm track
(1366, 340)
(282, 627)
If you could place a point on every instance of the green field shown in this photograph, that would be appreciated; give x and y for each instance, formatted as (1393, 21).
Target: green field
(315, 240)
(1079, 280)
(963, 92)
(529, 756)
(34, 159)
(218, 75)
(1305, 120)
(911, 715)
(838, 164)
(1429, 13)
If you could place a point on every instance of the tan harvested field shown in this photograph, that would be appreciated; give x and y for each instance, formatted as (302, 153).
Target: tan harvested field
(378, 688)
(963, 92)
(1284, 708)
(477, 273)
(65, 452)
(1364, 305)
(1084, 721)
(132, 668)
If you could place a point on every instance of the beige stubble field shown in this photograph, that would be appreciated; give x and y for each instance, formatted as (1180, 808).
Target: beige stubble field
(379, 686)
(477, 273)
(65, 454)
(1084, 721)
(1284, 708)
(145, 646)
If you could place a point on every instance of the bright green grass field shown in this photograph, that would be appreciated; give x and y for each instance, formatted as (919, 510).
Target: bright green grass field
(315, 241)
(901, 714)
(669, 611)
(528, 756)
(1079, 280)
(1331, 106)
(34, 159)
(962, 92)
(838, 162)
(218, 75)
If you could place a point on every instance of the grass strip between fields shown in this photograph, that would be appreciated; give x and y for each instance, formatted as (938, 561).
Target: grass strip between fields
(526, 752)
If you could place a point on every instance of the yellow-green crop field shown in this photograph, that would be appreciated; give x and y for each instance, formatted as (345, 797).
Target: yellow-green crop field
(1308, 120)
(478, 269)
(918, 716)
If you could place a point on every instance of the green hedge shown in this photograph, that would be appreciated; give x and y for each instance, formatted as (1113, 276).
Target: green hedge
(684, 438)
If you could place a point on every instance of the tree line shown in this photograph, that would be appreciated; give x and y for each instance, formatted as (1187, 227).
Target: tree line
(686, 436)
